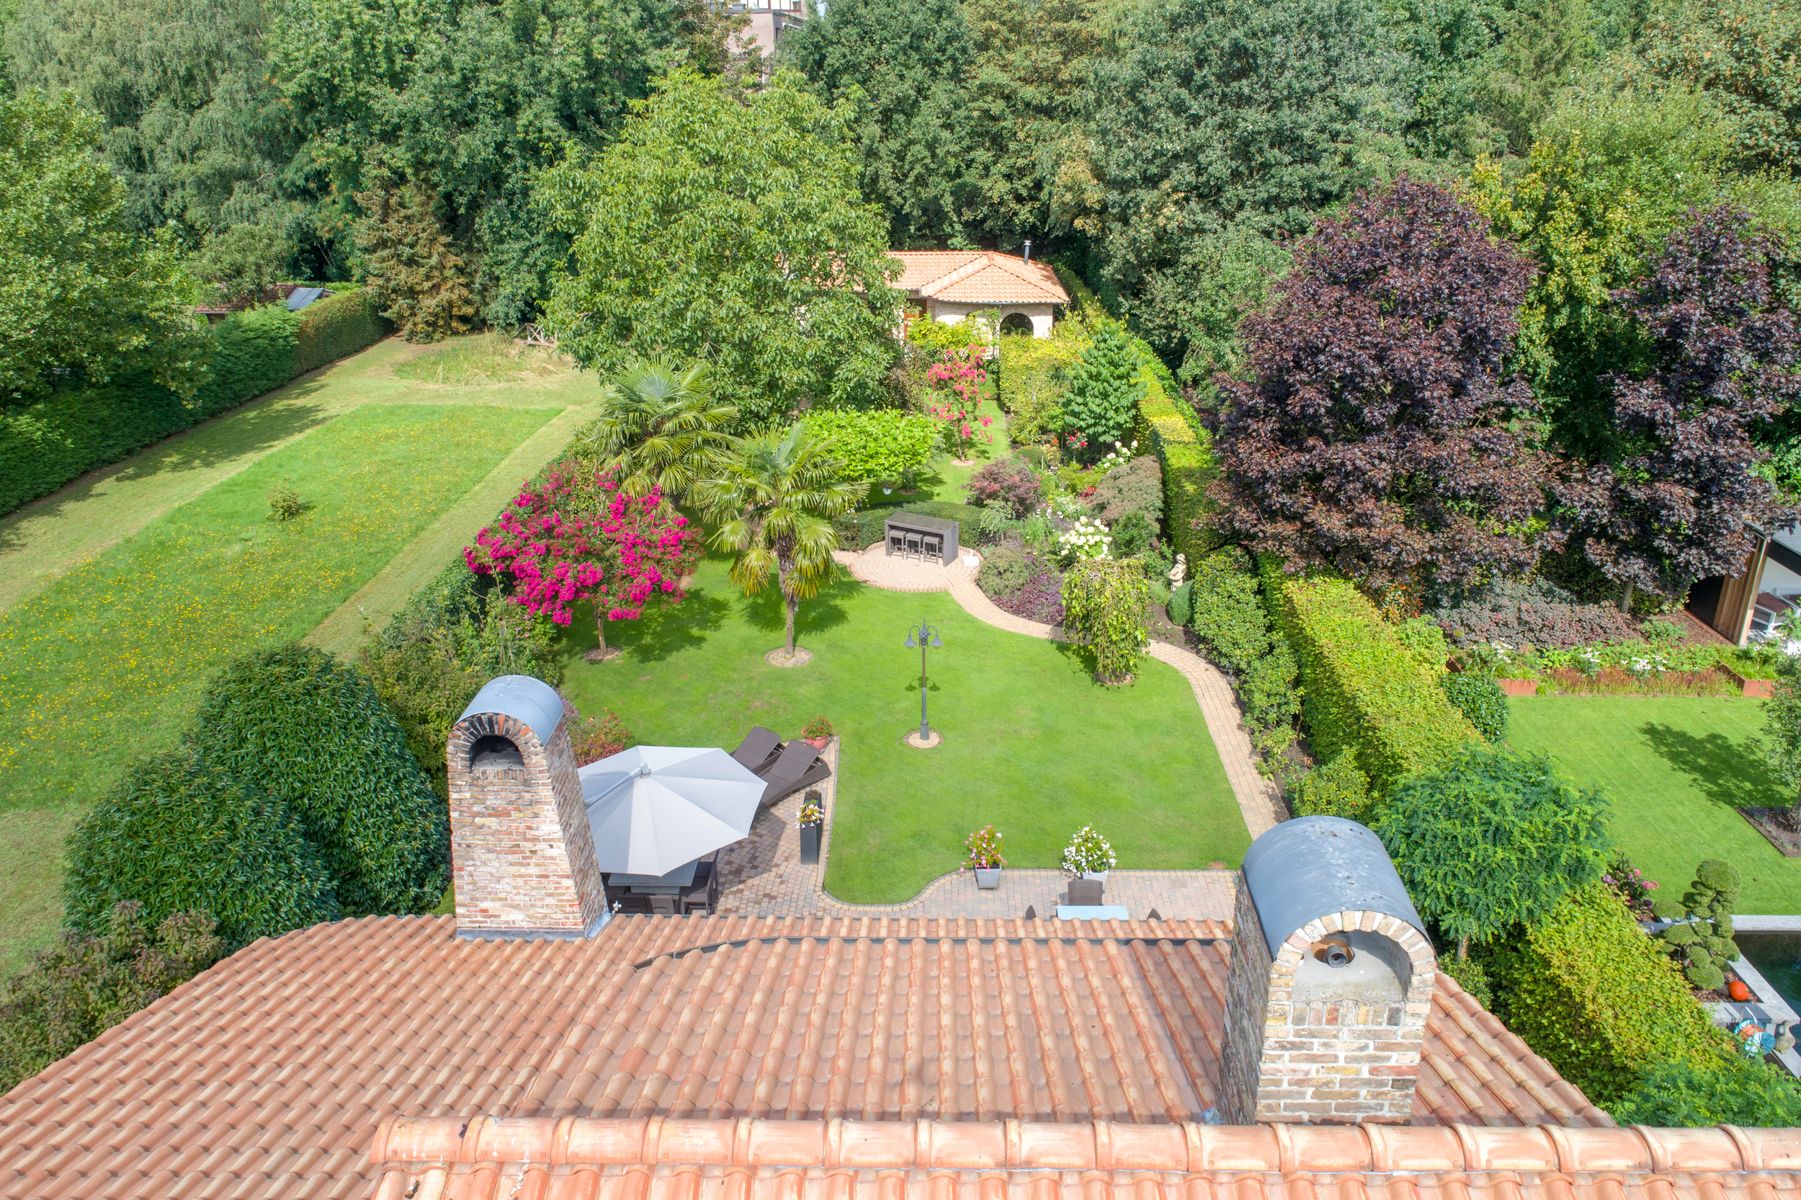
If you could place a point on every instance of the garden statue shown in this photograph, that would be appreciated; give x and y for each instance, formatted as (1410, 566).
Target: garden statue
(1179, 572)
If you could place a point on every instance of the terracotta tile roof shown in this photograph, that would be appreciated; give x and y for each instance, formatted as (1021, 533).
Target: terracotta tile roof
(661, 1159)
(268, 1074)
(977, 277)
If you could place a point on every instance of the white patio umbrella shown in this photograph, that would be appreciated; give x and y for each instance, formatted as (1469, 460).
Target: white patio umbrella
(653, 809)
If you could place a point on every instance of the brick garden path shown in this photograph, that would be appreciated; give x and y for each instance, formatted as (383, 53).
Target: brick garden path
(763, 873)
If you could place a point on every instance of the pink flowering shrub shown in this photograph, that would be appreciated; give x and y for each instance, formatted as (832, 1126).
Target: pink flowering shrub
(955, 380)
(575, 536)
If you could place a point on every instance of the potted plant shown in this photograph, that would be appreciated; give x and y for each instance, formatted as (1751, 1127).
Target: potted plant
(811, 824)
(984, 846)
(817, 732)
(1089, 855)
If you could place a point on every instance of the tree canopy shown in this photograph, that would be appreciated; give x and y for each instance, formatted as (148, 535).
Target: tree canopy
(728, 226)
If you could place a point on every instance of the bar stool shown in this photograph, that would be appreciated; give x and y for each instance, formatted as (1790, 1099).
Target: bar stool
(896, 541)
(915, 544)
(933, 546)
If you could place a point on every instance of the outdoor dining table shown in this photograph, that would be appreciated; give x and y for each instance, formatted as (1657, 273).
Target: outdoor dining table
(670, 884)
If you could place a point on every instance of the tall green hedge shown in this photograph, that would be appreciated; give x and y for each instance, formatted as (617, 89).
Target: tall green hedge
(296, 724)
(340, 324)
(175, 834)
(1186, 453)
(1593, 994)
(1363, 692)
(45, 445)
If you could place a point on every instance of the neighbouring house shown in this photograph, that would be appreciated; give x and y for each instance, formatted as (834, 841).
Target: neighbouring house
(1747, 606)
(532, 1047)
(948, 285)
(294, 296)
(768, 22)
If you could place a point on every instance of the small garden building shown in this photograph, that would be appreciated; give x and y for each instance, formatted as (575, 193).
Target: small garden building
(949, 285)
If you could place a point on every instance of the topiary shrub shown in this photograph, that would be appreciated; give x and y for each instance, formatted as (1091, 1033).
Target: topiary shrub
(1591, 992)
(1480, 699)
(85, 984)
(176, 834)
(1133, 535)
(310, 731)
(1011, 483)
(1730, 1090)
(1702, 941)
(1336, 789)
(1181, 603)
(1004, 571)
(1492, 840)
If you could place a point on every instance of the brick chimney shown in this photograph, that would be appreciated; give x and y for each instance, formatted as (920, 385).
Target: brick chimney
(522, 855)
(1330, 983)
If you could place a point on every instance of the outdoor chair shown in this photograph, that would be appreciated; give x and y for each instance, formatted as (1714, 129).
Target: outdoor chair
(796, 767)
(757, 749)
(664, 905)
(1083, 893)
(703, 894)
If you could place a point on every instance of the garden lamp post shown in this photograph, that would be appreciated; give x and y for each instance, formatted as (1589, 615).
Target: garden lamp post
(923, 635)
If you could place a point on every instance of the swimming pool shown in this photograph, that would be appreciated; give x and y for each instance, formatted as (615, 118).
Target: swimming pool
(1778, 957)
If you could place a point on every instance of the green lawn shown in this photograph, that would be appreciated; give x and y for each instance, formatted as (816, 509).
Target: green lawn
(1031, 744)
(1675, 769)
(126, 591)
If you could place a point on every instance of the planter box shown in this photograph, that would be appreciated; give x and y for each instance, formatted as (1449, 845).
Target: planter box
(809, 842)
(988, 878)
(1759, 689)
(1518, 687)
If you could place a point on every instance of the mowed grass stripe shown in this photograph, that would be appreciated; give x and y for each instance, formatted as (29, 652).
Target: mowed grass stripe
(108, 662)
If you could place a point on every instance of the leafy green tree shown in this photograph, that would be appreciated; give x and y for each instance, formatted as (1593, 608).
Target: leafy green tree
(1745, 54)
(175, 834)
(901, 68)
(1195, 308)
(1729, 1091)
(85, 984)
(414, 268)
(772, 501)
(188, 121)
(1782, 731)
(659, 426)
(82, 296)
(1703, 942)
(1104, 604)
(476, 96)
(297, 725)
(729, 227)
(1207, 115)
(1101, 403)
(1492, 840)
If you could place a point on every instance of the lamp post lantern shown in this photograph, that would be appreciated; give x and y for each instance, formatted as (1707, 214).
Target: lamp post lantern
(923, 635)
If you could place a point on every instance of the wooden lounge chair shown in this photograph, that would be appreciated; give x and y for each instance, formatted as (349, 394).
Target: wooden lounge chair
(757, 749)
(796, 767)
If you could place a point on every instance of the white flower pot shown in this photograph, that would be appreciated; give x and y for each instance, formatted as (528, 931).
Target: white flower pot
(1097, 876)
(988, 878)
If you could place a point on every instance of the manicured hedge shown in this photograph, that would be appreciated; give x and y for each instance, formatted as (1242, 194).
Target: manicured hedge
(1031, 381)
(1593, 994)
(878, 444)
(1363, 692)
(45, 445)
(340, 324)
(1186, 453)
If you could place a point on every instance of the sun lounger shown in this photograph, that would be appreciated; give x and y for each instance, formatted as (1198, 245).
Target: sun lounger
(757, 749)
(796, 767)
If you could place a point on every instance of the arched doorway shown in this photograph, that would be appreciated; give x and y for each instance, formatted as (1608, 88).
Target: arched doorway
(1016, 322)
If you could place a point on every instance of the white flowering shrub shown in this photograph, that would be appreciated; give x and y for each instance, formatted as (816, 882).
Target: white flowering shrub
(1087, 538)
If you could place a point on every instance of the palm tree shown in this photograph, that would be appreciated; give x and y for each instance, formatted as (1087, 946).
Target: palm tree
(772, 501)
(659, 427)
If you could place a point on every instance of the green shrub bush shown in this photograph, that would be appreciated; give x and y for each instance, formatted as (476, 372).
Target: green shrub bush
(1591, 992)
(1472, 975)
(1008, 482)
(1731, 1090)
(1425, 640)
(878, 444)
(296, 724)
(1703, 938)
(253, 352)
(85, 984)
(1100, 402)
(342, 323)
(1032, 378)
(1134, 487)
(1480, 699)
(1133, 535)
(1104, 606)
(1181, 603)
(175, 834)
(1229, 618)
(1267, 694)
(1335, 789)
(1365, 694)
(1004, 571)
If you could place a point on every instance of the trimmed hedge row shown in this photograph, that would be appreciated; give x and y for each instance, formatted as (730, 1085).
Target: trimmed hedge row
(1186, 454)
(340, 324)
(1363, 692)
(1601, 1001)
(45, 445)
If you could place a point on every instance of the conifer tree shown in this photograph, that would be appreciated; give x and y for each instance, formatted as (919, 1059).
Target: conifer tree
(1104, 390)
